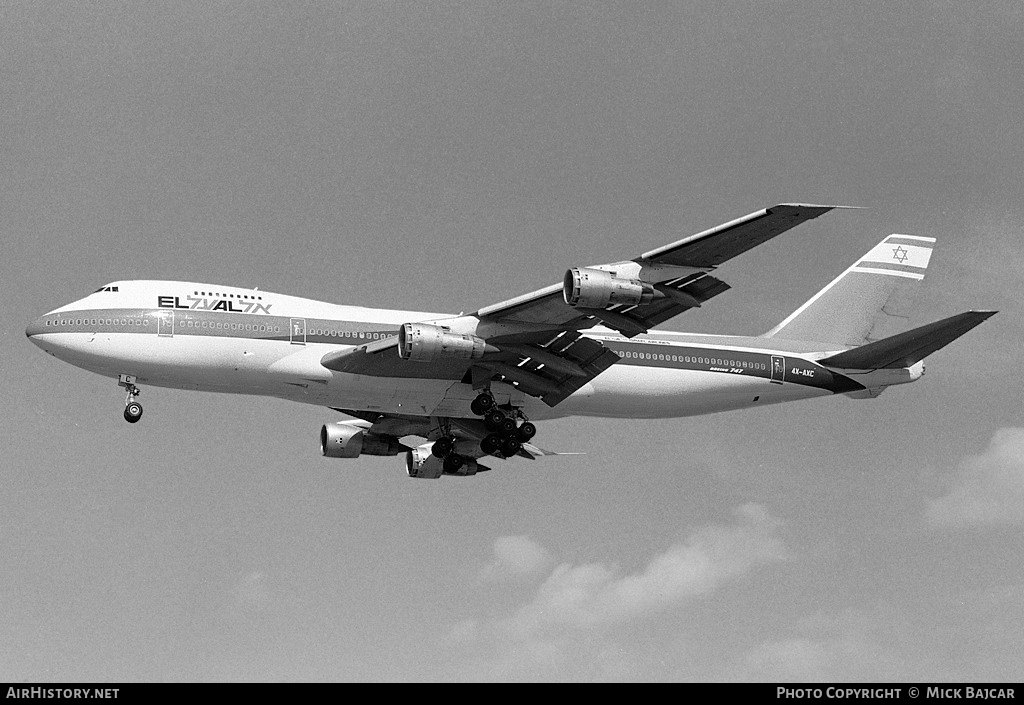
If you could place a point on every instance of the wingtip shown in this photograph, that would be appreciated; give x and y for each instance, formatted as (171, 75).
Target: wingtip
(826, 206)
(811, 210)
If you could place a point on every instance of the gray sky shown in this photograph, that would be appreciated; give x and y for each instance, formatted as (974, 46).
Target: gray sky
(446, 156)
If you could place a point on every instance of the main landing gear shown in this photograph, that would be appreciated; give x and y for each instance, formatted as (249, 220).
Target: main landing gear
(132, 408)
(443, 448)
(507, 433)
(509, 430)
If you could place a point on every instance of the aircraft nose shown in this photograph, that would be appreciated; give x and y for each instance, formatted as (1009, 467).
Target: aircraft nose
(35, 328)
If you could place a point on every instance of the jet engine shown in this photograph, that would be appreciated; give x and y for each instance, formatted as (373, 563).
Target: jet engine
(596, 288)
(346, 440)
(423, 342)
(420, 462)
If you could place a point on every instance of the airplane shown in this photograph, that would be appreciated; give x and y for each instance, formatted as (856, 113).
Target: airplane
(468, 385)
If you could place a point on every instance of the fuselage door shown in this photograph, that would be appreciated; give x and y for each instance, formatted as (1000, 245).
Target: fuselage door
(778, 369)
(297, 329)
(165, 322)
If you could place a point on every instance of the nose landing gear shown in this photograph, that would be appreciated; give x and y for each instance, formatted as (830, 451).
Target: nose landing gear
(132, 408)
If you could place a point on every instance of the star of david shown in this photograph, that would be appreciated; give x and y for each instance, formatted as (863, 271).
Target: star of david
(900, 255)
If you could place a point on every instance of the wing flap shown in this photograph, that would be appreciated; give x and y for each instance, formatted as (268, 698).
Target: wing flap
(551, 366)
(694, 290)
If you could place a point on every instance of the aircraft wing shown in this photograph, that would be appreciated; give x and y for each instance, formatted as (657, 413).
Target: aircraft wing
(550, 365)
(544, 354)
(694, 256)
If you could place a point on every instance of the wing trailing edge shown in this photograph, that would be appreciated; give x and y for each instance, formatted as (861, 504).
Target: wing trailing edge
(551, 367)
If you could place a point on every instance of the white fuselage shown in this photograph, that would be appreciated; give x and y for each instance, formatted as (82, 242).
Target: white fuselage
(227, 339)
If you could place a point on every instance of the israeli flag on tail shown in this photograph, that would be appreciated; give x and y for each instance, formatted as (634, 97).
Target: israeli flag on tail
(869, 301)
(866, 310)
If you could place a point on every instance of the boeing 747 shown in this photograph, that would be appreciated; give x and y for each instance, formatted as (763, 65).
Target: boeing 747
(471, 386)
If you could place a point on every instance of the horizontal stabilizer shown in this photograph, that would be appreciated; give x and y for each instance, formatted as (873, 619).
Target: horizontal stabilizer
(536, 451)
(906, 349)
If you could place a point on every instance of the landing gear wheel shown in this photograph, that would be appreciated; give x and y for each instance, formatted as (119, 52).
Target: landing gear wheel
(132, 409)
(491, 444)
(133, 412)
(510, 446)
(525, 432)
(508, 425)
(442, 447)
(453, 463)
(482, 404)
(494, 419)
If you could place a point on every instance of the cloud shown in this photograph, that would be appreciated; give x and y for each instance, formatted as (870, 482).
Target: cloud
(600, 594)
(988, 489)
(569, 625)
(838, 656)
(515, 555)
(965, 635)
(870, 643)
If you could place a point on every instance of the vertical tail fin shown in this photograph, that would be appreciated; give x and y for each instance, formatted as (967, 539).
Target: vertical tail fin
(869, 301)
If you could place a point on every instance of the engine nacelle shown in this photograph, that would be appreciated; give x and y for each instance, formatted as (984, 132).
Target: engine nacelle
(469, 467)
(346, 440)
(424, 342)
(421, 463)
(596, 288)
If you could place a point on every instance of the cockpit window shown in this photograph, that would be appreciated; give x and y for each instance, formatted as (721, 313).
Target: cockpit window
(105, 288)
